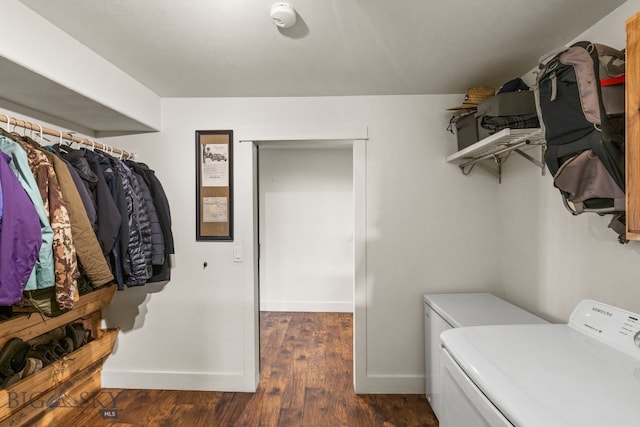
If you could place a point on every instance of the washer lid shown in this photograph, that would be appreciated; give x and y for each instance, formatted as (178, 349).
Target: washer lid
(475, 309)
(549, 375)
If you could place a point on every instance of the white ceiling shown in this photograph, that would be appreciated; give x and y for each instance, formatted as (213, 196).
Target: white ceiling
(219, 48)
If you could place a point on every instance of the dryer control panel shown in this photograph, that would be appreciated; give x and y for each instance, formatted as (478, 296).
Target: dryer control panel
(615, 326)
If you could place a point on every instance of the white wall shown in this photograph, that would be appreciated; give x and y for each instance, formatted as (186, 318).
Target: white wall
(306, 229)
(550, 259)
(429, 229)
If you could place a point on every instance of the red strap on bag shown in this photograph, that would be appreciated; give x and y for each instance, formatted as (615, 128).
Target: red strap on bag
(612, 81)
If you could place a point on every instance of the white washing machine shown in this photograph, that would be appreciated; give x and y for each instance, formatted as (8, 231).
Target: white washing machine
(585, 373)
(446, 311)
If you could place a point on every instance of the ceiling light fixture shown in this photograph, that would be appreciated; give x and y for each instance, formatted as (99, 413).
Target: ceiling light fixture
(283, 15)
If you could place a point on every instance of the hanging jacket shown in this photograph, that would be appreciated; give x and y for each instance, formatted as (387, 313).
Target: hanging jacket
(135, 257)
(87, 200)
(157, 238)
(87, 247)
(81, 165)
(43, 273)
(1, 204)
(64, 251)
(110, 180)
(108, 216)
(160, 273)
(20, 239)
(144, 219)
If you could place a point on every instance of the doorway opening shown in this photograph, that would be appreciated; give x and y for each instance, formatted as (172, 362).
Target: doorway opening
(305, 263)
(355, 137)
(305, 227)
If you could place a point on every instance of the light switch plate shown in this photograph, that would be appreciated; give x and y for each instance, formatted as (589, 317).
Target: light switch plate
(237, 254)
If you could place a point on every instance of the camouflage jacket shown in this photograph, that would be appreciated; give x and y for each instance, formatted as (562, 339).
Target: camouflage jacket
(64, 252)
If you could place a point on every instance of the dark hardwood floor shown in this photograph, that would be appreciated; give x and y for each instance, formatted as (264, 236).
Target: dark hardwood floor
(306, 379)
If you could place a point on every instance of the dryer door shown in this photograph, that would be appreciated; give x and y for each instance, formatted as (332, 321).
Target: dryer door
(462, 403)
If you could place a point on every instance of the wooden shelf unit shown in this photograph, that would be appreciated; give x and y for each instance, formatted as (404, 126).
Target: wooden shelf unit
(31, 400)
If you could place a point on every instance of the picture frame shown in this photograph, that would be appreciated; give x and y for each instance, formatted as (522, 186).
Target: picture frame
(214, 185)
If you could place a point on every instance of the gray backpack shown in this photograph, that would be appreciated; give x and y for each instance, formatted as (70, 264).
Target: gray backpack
(580, 101)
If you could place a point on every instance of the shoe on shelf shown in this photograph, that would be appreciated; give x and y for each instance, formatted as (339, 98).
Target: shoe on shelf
(10, 380)
(57, 349)
(32, 366)
(40, 340)
(76, 333)
(13, 357)
(44, 354)
(57, 333)
(67, 345)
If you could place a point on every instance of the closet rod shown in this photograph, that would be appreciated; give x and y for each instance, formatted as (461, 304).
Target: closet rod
(62, 135)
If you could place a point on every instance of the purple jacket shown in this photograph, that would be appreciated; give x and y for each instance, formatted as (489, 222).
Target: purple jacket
(1, 200)
(20, 237)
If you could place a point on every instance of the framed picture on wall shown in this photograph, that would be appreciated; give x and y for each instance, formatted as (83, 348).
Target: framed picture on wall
(214, 185)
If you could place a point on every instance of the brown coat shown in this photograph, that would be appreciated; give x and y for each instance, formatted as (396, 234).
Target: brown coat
(88, 249)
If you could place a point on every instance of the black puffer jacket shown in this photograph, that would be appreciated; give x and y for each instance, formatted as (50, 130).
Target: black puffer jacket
(135, 259)
(157, 239)
(144, 219)
(160, 272)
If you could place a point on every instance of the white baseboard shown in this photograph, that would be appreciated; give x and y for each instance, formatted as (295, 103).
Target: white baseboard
(162, 380)
(308, 306)
(394, 384)
(236, 382)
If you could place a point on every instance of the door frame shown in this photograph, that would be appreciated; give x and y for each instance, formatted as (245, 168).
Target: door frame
(246, 200)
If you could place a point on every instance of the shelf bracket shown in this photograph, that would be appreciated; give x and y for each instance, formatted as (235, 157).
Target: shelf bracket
(499, 147)
(539, 163)
(499, 161)
(466, 170)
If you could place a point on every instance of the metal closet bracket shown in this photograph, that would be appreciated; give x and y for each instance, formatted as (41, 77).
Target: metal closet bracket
(499, 147)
